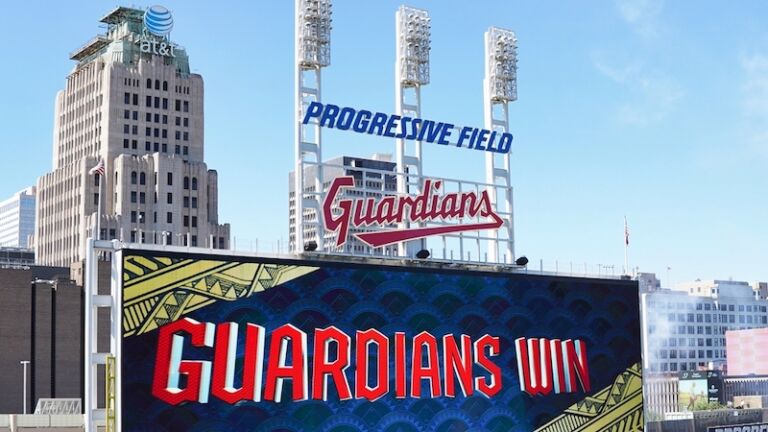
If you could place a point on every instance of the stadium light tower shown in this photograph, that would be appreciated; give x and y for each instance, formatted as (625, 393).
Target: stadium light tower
(412, 32)
(313, 52)
(500, 88)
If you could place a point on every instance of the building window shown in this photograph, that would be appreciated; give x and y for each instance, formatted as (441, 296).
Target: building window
(157, 102)
(126, 128)
(194, 183)
(186, 202)
(194, 221)
(186, 182)
(157, 84)
(186, 220)
(156, 147)
(178, 135)
(154, 217)
(178, 105)
(136, 99)
(186, 121)
(165, 119)
(157, 132)
(169, 217)
(194, 241)
(165, 148)
(177, 149)
(127, 113)
(133, 197)
(148, 131)
(133, 217)
(134, 143)
(186, 136)
(127, 98)
(165, 103)
(142, 178)
(136, 115)
(165, 133)
(186, 106)
(135, 129)
(165, 85)
(185, 150)
(96, 199)
(134, 177)
(149, 101)
(170, 179)
(157, 118)
(149, 117)
(178, 121)
(149, 83)
(142, 198)
(147, 146)
(194, 202)
(170, 198)
(125, 143)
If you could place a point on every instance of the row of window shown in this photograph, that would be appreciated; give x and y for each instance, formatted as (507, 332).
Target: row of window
(134, 115)
(131, 82)
(155, 102)
(141, 178)
(707, 306)
(158, 133)
(148, 146)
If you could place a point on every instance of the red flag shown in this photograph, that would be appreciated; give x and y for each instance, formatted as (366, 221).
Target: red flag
(626, 232)
(98, 169)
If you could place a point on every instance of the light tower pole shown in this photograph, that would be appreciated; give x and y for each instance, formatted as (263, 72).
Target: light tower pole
(500, 88)
(313, 52)
(412, 32)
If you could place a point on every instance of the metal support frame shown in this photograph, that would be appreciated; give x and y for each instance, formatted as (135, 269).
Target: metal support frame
(95, 416)
(500, 88)
(412, 39)
(312, 53)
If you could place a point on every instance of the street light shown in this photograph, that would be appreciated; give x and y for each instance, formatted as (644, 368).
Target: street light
(24, 364)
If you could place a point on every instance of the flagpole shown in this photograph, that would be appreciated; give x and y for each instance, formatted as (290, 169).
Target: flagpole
(626, 247)
(98, 209)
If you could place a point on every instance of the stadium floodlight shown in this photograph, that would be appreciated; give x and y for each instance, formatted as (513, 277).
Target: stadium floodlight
(314, 32)
(502, 64)
(500, 88)
(413, 31)
(313, 53)
(414, 36)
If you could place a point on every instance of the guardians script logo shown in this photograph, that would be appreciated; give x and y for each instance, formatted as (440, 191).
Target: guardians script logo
(429, 206)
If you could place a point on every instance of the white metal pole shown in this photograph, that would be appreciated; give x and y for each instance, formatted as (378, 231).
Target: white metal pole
(98, 210)
(24, 364)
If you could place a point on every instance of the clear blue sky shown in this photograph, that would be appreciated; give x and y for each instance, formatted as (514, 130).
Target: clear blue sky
(651, 109)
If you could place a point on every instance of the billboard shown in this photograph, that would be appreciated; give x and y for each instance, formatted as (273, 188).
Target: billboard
(224, 342)
(755, 427)
(696, 389)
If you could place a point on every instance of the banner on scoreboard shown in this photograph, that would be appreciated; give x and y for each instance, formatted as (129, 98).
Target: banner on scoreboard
(220, 342)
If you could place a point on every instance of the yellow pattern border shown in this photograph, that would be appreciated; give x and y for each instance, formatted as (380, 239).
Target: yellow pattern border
(616, 408)
(158, 289)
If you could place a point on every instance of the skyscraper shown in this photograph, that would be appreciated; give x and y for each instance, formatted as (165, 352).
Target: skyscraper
(132, 102)
(17, 219)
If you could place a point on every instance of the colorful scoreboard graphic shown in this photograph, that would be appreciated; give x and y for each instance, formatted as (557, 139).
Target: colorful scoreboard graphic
(227, 343)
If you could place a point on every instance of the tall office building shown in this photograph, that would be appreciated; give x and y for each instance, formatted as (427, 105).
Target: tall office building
(372, 179)
(684, 328)
(132, 102)
(17, 219)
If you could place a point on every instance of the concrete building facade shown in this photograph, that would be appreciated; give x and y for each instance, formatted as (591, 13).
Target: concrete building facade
(17, 219)
(684, 328)
(140, 110)
(372, 179)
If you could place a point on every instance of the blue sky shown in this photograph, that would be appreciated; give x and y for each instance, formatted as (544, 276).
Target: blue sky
(650, 109)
